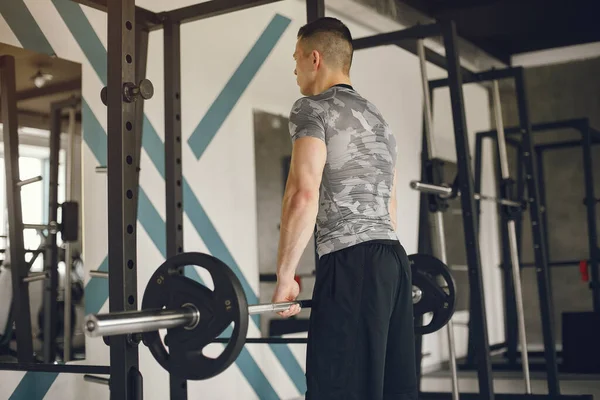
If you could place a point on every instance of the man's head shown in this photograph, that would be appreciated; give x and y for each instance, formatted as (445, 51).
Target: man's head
(323, 53)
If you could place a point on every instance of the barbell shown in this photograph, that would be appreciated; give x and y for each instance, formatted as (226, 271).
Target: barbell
(196, 316)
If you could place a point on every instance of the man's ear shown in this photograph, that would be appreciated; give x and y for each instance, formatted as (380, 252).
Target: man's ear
(316, 56)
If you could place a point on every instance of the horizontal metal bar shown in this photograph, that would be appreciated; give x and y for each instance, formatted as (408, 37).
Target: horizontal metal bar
(392, 38)
(559, 145)
(101, 169)
(149, 19)
(39, 227)
(431, 56)
(442, 191)
(99, 274)
(575, 123)
(276, 307)
(38, 276)
(126, 322)
(491, 75)
(210, 9)
(273, 277)
(96, 379)
(30, 180)
(504, 396)
(62, 368)
(445, 192)
(564, 263)
(271, 340)
(49, 90)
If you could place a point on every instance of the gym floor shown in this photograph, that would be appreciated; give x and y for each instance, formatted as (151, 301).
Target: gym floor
(511, 382)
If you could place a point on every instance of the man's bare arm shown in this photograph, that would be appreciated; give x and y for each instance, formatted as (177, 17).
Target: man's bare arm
(300, 203)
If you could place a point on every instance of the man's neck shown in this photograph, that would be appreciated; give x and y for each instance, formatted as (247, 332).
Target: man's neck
(329, 82)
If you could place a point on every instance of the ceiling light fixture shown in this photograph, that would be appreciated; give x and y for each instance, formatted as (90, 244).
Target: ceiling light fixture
(40, 79)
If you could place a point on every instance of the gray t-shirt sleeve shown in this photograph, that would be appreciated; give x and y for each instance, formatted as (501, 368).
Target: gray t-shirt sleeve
(307, 119)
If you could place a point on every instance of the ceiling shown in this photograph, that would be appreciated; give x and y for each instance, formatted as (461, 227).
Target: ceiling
(34, 103)
(505, 28)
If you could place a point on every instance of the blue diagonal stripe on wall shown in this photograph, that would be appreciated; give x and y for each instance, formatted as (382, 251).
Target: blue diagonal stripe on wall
(235, 87)
(23, 25)
(94, 140)
(80, 27)
(34, 386)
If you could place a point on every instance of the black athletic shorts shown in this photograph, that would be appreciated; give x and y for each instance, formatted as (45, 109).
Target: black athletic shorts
(361, 335)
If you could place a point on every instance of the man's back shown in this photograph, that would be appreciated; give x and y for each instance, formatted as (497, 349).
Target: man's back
(359, 172)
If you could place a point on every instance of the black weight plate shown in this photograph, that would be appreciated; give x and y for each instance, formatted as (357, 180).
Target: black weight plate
(435, 280)
(218, 308)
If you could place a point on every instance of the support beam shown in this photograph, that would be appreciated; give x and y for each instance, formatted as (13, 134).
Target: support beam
(49, 90)
(122, 181)
(315, 9)
(494, 74)
(146, 18)
(19, 268)
(173, 161)
(210, 9)
(141, 62)
(51, 250)
(407, 39)
(391, 38)
(466, 186)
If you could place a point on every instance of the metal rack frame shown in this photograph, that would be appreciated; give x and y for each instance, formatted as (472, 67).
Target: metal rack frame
(534, 203)
(589, 137)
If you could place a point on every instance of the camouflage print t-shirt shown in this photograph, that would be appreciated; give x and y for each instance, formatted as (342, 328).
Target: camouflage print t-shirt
(358, 176)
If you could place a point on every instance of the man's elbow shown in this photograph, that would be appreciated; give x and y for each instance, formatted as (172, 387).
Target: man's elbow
(302, 199)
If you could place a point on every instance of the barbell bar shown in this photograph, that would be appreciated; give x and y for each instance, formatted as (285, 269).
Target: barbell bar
(446, 192)
(187, 317)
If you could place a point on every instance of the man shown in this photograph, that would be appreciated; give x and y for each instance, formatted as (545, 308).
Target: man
(342, 175)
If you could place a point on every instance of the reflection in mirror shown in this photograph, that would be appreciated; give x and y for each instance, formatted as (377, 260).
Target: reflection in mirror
(41, 271)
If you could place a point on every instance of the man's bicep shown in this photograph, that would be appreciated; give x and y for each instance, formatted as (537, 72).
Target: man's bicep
(308, 161)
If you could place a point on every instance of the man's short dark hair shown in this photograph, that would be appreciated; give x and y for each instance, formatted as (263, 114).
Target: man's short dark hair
(332, 39)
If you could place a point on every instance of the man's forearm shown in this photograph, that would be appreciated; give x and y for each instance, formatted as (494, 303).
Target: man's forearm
(297, 226)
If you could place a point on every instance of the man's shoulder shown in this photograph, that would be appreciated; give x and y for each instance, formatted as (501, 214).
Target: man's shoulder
(308, 105)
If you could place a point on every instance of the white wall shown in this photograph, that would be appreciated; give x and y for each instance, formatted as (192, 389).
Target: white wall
(223, 179)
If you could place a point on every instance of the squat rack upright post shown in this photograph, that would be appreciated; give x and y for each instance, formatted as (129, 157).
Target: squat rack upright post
(173, 160)
(125, 378)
